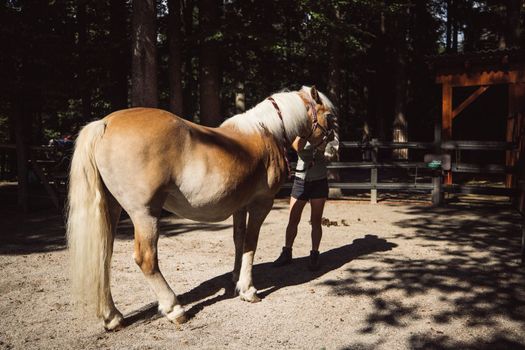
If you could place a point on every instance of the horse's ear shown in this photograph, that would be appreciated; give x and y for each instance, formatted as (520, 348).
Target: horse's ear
(315, 95)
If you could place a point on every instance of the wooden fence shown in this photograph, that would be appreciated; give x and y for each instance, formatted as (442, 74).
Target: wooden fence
(435, 186)
(425, 179)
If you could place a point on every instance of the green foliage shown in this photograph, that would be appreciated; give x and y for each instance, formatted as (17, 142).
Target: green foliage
(57, 65)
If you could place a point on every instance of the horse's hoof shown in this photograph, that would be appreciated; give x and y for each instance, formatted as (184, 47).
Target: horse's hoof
(254, 299)
(114, 324)
(177, 315)
(250, 296)
(182, 319)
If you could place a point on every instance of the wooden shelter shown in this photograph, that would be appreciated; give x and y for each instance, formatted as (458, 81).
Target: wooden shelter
(483, 70)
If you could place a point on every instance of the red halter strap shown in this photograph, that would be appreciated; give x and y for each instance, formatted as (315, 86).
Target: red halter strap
(285, 137)
(280, 117)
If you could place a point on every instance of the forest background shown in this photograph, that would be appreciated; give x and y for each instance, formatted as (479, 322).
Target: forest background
(64, 62)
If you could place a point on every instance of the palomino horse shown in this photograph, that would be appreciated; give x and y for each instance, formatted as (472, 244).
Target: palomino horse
(143, 160)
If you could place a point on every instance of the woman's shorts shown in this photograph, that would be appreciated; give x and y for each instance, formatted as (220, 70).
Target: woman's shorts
(306, 190)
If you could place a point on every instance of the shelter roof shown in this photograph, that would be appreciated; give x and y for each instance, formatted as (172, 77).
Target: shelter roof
(478, 61)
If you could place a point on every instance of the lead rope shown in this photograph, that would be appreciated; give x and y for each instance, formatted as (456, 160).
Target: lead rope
(285, 137)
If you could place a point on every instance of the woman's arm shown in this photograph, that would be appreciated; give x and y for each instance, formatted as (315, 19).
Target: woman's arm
(298, 144)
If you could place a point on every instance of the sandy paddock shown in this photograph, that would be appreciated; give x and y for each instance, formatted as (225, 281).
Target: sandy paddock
(394, 276)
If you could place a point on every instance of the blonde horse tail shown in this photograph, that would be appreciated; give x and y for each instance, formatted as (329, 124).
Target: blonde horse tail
(89, 233)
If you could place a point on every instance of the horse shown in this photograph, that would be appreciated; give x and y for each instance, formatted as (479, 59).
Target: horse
(144, 160)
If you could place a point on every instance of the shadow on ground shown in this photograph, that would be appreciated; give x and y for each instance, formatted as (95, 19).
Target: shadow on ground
(44, 231)
(476, 276)
(269, 279)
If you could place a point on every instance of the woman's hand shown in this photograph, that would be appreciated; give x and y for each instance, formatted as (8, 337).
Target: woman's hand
(331, 151)
(298, 144)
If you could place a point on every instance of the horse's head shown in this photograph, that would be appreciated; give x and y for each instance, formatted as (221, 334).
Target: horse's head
(321, 114)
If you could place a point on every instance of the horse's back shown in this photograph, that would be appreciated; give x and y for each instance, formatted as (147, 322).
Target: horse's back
(143, 121)
(148, 155)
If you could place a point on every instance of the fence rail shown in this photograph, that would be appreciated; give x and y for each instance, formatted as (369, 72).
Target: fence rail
(433, 179)
(445, 145)
(435, 185)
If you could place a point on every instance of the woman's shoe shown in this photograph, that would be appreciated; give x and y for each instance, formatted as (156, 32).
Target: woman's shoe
(313, 265)
(284, 259)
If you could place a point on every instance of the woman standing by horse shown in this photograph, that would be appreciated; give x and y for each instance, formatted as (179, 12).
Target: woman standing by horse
(310, 186)
(144, 160)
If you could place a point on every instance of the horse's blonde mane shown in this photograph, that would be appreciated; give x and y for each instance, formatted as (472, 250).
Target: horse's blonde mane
(264, 115)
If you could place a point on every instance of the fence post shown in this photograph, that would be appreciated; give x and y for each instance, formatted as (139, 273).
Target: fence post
(437, 176)
(373, 181)
(373, 173)
(21, 166)
(523, 241)
(437, 189)
(3, 162)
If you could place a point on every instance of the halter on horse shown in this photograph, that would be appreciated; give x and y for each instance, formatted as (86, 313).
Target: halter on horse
(144, 160)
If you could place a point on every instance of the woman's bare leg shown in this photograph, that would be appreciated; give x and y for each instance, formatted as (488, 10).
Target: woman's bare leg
(316, 217)
(296, 210)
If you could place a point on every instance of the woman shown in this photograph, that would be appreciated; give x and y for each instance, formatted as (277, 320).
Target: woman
(310, 185)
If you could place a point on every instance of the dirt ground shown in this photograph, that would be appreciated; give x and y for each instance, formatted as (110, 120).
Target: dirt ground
(393, 276)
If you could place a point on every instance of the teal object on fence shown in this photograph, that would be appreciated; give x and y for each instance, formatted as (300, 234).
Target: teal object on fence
(435, 164)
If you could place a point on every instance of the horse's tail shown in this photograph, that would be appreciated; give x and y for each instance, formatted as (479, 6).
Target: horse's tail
(89, 234)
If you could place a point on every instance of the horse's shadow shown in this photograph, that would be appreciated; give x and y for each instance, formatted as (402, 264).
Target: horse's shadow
(269, 279)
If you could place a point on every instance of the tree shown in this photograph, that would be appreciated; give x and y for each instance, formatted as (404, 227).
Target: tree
(378, 80)
(336, 61)
(144, 54)
(512, 29)
(175, 57)
(399, 125)
(209, 58)
(119, 43)
(83, 62)
(190, 83)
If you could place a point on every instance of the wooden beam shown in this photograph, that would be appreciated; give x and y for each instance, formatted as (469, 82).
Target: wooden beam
(515, 121)
(469, 100)
(482, 78)
(447, 112)
(446, 121)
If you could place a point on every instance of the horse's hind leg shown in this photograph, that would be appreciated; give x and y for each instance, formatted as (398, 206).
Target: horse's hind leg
(145, 254)
(110, 314)
(239, 233)
(257, 213)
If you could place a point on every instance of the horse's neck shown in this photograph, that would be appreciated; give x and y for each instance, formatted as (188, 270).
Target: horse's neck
(264, 118)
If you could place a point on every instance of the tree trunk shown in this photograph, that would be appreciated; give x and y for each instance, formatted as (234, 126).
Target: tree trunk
(22, 126)
(449, 26)
(175, 59)
(335, 63)
(209, 63)
(513, 30)
(85, 86)
(399, 129)
(120, 54)
(144, 54)
(399, 126)
(240, 103)
(190, 84)
(455, 33)
(380, 81)
(335, 88)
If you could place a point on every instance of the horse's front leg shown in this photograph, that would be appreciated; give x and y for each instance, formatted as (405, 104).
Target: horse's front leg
(239, 234)
(257, 213)
(145, 254)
